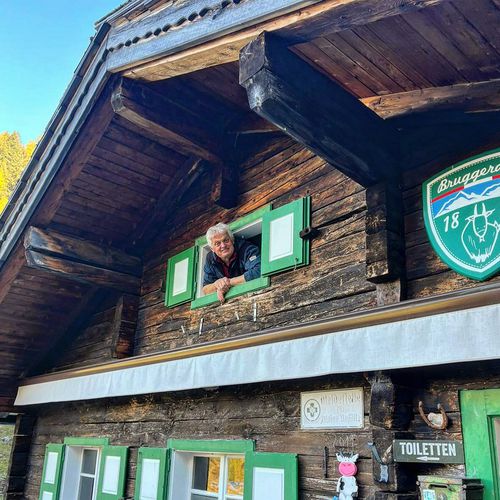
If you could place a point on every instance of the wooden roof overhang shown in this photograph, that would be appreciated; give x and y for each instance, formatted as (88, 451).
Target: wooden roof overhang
(110, 160)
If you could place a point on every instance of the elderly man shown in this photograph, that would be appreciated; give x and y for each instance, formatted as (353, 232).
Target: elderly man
(232, 261)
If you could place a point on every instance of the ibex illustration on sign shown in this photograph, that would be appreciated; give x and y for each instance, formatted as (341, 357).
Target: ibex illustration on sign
(479, 236)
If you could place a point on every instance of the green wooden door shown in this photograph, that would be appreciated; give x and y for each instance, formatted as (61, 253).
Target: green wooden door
(481, 432)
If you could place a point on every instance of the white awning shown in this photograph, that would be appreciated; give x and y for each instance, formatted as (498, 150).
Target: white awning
(452, 337)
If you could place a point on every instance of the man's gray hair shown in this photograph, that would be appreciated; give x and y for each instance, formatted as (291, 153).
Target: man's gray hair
(219, 228)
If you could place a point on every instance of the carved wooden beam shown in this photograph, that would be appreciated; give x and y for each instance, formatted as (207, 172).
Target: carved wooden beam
(250, 124)
(123, 326)
(169, 200)
(466, 97)
(317, 112)
(174, 124)
(81, 260)
(225, 188)
(390, 403)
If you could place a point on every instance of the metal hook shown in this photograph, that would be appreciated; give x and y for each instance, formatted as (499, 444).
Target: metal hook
(384, 466)
(444, 418)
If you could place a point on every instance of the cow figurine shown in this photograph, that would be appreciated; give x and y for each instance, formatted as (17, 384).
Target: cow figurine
(347, 487)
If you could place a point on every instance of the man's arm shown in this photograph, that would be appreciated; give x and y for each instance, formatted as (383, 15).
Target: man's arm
(251, 262)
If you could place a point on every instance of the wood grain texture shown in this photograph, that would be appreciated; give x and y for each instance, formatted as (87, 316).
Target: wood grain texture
(170, 122)
(468, 97)
(78, 249)
(82, 272)
(288, 92)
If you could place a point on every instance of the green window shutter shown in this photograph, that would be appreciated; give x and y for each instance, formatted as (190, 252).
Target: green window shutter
(181, 281)
(153, 465)
(112, 469)
(282, 246)
(270, 476)
(52, 472)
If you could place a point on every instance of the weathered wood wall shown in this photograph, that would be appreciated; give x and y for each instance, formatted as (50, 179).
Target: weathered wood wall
(334, 283)
(267, 413)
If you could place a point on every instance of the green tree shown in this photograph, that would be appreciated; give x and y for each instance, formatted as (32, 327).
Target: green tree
(14, 157)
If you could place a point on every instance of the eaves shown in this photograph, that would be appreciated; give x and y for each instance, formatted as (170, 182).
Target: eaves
(171, 30)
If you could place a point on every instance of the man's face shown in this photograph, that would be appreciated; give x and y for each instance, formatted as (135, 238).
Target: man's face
(222, 246)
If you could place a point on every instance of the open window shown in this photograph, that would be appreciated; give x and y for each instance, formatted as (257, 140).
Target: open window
(275, 231)
(83, 469)
(229, 470)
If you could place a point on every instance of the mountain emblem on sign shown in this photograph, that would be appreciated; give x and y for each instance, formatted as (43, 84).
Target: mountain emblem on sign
(462, 215)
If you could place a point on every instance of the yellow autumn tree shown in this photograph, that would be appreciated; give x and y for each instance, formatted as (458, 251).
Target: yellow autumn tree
(14, 157)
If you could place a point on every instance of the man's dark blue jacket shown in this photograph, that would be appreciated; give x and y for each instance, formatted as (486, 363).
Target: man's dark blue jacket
(247, 262)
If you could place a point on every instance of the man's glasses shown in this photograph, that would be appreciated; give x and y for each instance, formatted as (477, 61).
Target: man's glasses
(218, 243)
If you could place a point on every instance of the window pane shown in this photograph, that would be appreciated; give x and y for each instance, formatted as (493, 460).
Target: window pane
(206, 474)
(195, 496)
(235, 474)
(86, 488)
(89, 461)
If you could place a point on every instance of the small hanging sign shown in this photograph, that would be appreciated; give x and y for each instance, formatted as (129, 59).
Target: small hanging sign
(462, 215)
(337, 409)
(435, 452)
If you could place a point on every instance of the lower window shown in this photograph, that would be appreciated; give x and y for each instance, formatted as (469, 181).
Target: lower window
(208, 476)
(218, 477)
(80, 473)
(83, 469)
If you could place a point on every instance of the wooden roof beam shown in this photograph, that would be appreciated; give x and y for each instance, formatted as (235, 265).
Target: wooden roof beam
(171, 123)
(317, 112)
(475, 97)
(82, 261)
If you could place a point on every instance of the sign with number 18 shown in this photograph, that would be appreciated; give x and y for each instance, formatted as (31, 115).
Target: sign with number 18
(462, 215)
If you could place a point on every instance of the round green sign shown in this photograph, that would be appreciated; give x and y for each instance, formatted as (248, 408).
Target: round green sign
(462, 215)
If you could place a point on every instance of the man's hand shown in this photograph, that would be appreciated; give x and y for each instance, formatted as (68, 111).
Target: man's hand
(222, 285)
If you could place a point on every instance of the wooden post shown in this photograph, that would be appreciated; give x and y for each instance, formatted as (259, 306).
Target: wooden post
(123, 326)
(390, 414)
(385, 253)
(18, 468)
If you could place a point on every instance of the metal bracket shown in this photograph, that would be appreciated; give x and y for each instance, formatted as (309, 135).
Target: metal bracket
(309, 232)
(384, 467)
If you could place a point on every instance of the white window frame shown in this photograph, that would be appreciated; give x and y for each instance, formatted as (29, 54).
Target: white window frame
(72, 471)
(252, 229)
(182, 470)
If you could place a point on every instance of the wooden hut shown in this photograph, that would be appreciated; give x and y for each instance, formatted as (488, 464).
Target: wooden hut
(310, 128)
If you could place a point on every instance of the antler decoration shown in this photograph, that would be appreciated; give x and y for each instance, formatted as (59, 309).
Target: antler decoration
(347, 458)
(432, 416)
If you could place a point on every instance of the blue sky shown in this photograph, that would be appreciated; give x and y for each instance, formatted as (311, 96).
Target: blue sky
(42, 42)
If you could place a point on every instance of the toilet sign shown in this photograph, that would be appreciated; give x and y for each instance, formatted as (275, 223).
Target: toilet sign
(432, 452)
(462, 215)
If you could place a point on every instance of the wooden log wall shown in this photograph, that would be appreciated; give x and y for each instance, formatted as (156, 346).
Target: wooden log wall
(333, 284)
(267, 413)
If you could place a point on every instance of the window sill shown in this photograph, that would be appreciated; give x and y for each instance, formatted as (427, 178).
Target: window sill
(234, 291)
